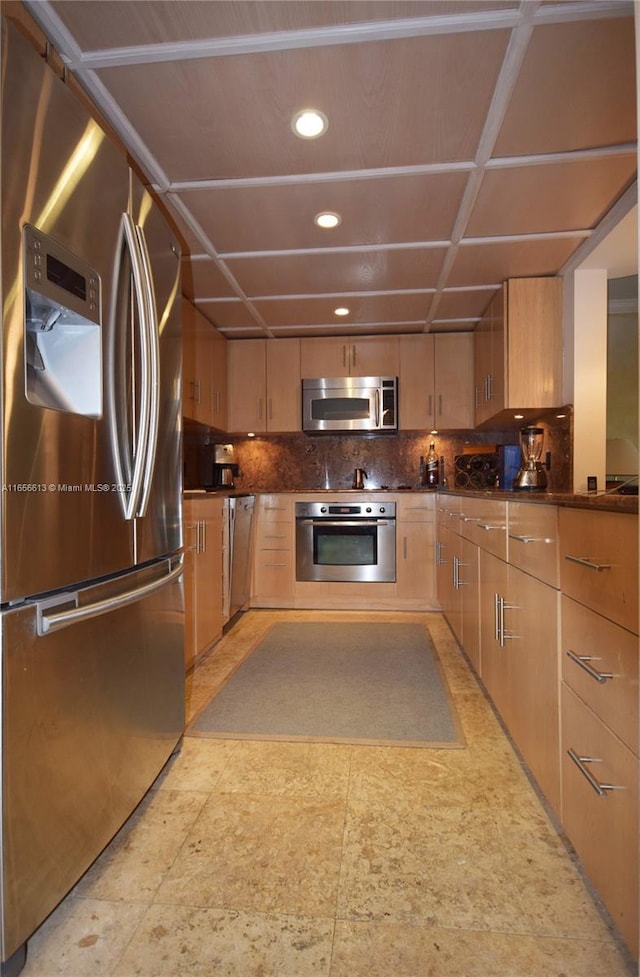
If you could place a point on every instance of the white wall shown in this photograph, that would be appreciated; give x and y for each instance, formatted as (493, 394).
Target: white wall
(590, 377)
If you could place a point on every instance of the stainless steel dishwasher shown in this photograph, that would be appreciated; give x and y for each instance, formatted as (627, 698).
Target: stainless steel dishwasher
(239, 520)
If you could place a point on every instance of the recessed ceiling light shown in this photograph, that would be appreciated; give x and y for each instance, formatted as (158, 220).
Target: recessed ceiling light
(341, 311)
(518, 417)
(309, 123)
(327, 219)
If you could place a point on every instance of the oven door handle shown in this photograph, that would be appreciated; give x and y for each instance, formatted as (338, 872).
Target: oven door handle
(342, 522)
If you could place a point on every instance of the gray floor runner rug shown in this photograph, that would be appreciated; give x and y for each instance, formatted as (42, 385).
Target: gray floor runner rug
(330, 682)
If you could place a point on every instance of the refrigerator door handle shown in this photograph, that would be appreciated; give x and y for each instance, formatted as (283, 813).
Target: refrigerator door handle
(153, 368)
(49, 621)
(139, 282)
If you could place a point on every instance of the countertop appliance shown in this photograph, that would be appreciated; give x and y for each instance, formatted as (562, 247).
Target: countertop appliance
(340, 541)
(225, 468)
(349, 404)
(532, 476)
(91, 597)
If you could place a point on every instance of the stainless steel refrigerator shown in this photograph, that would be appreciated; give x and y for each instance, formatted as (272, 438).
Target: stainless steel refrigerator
(91, 599)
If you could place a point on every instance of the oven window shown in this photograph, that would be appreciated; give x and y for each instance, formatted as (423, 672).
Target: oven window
(348, 546)
(340, 408)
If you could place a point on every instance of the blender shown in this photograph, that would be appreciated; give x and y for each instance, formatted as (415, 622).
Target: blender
(532, 475)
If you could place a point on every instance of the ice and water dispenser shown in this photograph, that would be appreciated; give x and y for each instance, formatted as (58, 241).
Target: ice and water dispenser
(63, 345)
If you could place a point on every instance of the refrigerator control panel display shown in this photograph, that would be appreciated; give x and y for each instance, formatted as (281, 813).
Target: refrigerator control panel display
(65, 277)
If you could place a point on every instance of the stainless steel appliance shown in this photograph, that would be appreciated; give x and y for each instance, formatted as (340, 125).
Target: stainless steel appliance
(338, 541)
(359, 476)
(225, 468)
(239, 523)
(91, 600)
(532, 475)
(350, 404)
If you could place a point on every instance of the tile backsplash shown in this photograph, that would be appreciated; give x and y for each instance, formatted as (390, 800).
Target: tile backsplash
(270, 463)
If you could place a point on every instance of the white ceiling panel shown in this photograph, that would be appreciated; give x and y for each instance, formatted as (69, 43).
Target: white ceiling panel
(467, 142)
(392, 209)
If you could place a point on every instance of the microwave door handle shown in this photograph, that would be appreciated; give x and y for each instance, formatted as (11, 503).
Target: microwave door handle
(377, 403)
(153, 368)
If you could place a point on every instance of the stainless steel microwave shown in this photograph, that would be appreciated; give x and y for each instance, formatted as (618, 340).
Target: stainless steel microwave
(349, 404)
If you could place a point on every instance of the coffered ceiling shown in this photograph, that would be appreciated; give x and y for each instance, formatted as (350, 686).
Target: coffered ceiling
(468, 142)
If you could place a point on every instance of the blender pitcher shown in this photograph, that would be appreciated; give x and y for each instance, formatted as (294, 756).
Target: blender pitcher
(532, 475)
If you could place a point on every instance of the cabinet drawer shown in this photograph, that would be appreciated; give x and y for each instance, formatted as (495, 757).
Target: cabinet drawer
(416, 507)
(533, 539)
(489, 526)
(275, 508)
(602, 828)
(448, 511)
(275, 536)
(599, 562)
(611, 651)
(471, 512)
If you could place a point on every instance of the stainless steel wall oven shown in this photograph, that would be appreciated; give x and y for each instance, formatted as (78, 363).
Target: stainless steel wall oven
(338, 541)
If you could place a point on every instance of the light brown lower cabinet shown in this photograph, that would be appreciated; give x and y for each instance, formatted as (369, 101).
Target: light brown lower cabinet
(600, 810)
(558, 618)
(274, 553)
(415, 565)
(519, 645)
(203, 576)
(457, 571)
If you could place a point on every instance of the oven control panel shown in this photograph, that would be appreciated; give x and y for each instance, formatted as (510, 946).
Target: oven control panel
(346, 510)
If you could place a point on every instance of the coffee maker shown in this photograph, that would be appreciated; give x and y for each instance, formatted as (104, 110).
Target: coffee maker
(532, 476)
(225, 468)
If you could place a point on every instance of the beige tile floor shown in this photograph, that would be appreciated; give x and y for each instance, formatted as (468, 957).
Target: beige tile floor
(258, 859)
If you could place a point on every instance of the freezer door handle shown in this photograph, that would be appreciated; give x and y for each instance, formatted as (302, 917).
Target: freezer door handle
(50, 620)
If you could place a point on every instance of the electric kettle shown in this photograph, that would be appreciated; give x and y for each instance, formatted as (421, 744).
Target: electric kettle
(359, 475)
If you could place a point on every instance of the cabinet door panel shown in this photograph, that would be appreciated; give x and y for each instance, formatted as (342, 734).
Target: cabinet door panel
(599, 563)
(324, 357)
(495, 661)
(374, 356)
(602, 829)
(531, 617)
(246, 362)
(533, 540)
(415, 561)
(469, 584)
(284, 401)
(416, 386)
(454, 380)
(608, 650)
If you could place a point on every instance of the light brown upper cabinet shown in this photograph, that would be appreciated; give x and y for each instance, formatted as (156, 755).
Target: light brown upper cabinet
(436, 381)
(204, 369)
(348, 356)
(518, 349)
(264, 385)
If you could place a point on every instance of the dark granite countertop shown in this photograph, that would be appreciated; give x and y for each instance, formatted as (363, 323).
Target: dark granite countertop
(603, 501)
(609, 502)
(223, 493)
